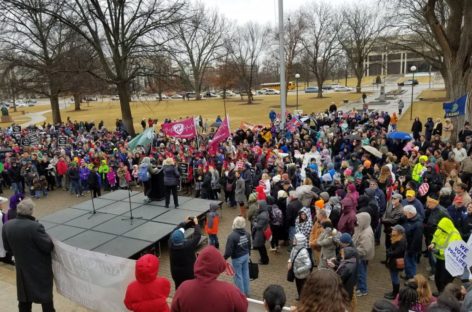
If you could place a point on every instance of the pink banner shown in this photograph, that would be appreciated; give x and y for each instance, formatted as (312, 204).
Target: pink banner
(221, 134)
(184, 129)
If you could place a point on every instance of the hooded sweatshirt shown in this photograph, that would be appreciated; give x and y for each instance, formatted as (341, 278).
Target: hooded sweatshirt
(363, 237)
(445, 234)
(205, 292)
(148, 293)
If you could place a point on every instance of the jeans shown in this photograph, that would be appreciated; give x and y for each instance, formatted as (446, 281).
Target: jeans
(17, 187)
(171, 189)
(362, 276)
(291, 233)
(241, 270)
(84, 185)
(410, 264)
(213, 240)
(75, 187)
(26, 306)
(394, 277)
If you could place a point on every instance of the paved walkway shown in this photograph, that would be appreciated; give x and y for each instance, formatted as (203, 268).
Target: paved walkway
(36, 118)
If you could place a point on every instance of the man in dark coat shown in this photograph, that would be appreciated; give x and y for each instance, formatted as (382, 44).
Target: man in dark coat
(414, 234)
(27, 240)
(182, 251)
(259, 225)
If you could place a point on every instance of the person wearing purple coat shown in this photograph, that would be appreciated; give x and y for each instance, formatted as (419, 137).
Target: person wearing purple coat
(347, 222)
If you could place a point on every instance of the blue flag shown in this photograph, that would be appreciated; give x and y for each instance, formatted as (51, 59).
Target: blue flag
(455, 108)
(144, 139)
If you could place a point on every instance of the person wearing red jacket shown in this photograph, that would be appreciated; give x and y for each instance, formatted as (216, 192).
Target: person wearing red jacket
(205, 292)
(61, 170)
(148, 293)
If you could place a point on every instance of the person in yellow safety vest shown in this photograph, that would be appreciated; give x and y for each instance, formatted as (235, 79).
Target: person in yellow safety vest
(445, 234)
(418, 169)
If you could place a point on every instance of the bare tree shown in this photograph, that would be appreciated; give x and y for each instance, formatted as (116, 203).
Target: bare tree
(245, 50)
(119, 32)
(321, 41)
(199, 42)
(161, 74)
(359, 30)
(34, 41)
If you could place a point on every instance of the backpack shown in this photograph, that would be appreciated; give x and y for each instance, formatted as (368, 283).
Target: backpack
(143, 173)
(276, 215)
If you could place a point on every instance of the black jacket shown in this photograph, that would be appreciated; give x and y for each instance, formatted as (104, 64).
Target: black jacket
(396, 251)
(292, 211)
(182, 257)
(27, 240)
(414, 234)
(238, 244)
(370, 206)
(171, 175)
(432, 220)
(466, 227)
(347, 270)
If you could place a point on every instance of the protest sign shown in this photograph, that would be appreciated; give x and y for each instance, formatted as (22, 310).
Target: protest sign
(184, 129)
(91, 279)
(458, 257)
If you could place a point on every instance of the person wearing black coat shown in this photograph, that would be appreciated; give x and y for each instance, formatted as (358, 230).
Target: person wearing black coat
(369, 205)
(31, 246)
(347, 269)
(260, 224)
(466, 228)
(182, 251)
(93, 182)
(395, 252)
(414, 234)
(428, 128)
(416, 128)
(293, 208)
(171, 180)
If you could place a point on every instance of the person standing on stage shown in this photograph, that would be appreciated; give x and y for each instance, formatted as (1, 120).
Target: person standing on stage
(171, 180)
(27, 240)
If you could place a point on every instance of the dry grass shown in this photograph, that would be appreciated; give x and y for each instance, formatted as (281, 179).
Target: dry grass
(209, 108)
(430, 106)
(19, 117)
(421, 79)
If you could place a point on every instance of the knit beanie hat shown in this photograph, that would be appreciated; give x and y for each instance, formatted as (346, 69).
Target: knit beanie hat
(345, 238)
(177, 237)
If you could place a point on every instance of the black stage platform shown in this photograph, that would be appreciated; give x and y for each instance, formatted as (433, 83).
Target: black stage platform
(108, 233)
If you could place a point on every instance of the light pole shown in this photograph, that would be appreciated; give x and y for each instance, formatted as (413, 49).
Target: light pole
(297, 76)
(413, 70)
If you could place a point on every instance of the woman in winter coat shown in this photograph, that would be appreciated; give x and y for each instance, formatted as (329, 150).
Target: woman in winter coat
(149, 292)
(171, 180)
(327, 244)
(416, 128)
(276, 223)
(261, 222)
(347, 220)
(240, 191)
(252, 207)
(364, 242)
(396, 251)
(300, 261)
(347, 269)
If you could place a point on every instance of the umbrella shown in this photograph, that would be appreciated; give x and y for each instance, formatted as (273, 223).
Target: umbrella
(397, 135)
(353, 137)
(372, 150)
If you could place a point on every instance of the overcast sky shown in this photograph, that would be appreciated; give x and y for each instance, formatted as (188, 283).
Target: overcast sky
(261, 11)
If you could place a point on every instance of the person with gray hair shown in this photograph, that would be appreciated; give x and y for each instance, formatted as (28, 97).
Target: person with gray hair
(414, 234)
(31, 246)
(238, 247)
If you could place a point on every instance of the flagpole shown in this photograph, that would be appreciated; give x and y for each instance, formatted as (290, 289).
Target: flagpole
(283, 90)
(196, 133)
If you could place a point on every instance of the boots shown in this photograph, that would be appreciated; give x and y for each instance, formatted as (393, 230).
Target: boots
(392, 295)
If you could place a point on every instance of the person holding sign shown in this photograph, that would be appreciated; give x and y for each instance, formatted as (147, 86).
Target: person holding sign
(445, 234)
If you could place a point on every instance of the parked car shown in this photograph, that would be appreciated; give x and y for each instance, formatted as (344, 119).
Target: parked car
(115, 98)
(408, 82)
(272, 92)
(91, 98)
(311, 90)
(327, 87)
(209, 94)
(176, 96)
(342, 89)
(228, 93)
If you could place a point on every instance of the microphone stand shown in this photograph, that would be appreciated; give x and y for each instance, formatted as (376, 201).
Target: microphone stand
(131, 217)
(94, 211)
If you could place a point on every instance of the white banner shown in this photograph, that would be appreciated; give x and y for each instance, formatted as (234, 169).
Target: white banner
(91, 279)
(458, 257)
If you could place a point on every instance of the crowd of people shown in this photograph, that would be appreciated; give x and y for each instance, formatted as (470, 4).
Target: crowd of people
(324, 189)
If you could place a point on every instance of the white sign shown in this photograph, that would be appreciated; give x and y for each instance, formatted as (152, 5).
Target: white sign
(458, 257)
(91, 279)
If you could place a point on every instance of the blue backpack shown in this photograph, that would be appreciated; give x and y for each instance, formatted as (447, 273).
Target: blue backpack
(143, 173)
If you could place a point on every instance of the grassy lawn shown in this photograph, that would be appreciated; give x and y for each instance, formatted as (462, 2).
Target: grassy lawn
(429, 106)
(208, 108)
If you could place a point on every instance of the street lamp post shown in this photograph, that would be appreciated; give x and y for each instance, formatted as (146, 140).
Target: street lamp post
(413, 70)
(297, 76)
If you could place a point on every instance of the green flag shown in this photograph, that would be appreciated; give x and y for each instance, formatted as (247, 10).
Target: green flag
(144, 139)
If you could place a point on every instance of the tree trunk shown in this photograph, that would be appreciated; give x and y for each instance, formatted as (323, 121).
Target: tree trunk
(320, 88)
(126, 116)
(56, 112)
(77, 101)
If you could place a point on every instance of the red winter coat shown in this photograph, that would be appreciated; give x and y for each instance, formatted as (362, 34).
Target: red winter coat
(205, 293)
(61, 167)
(148, 293)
